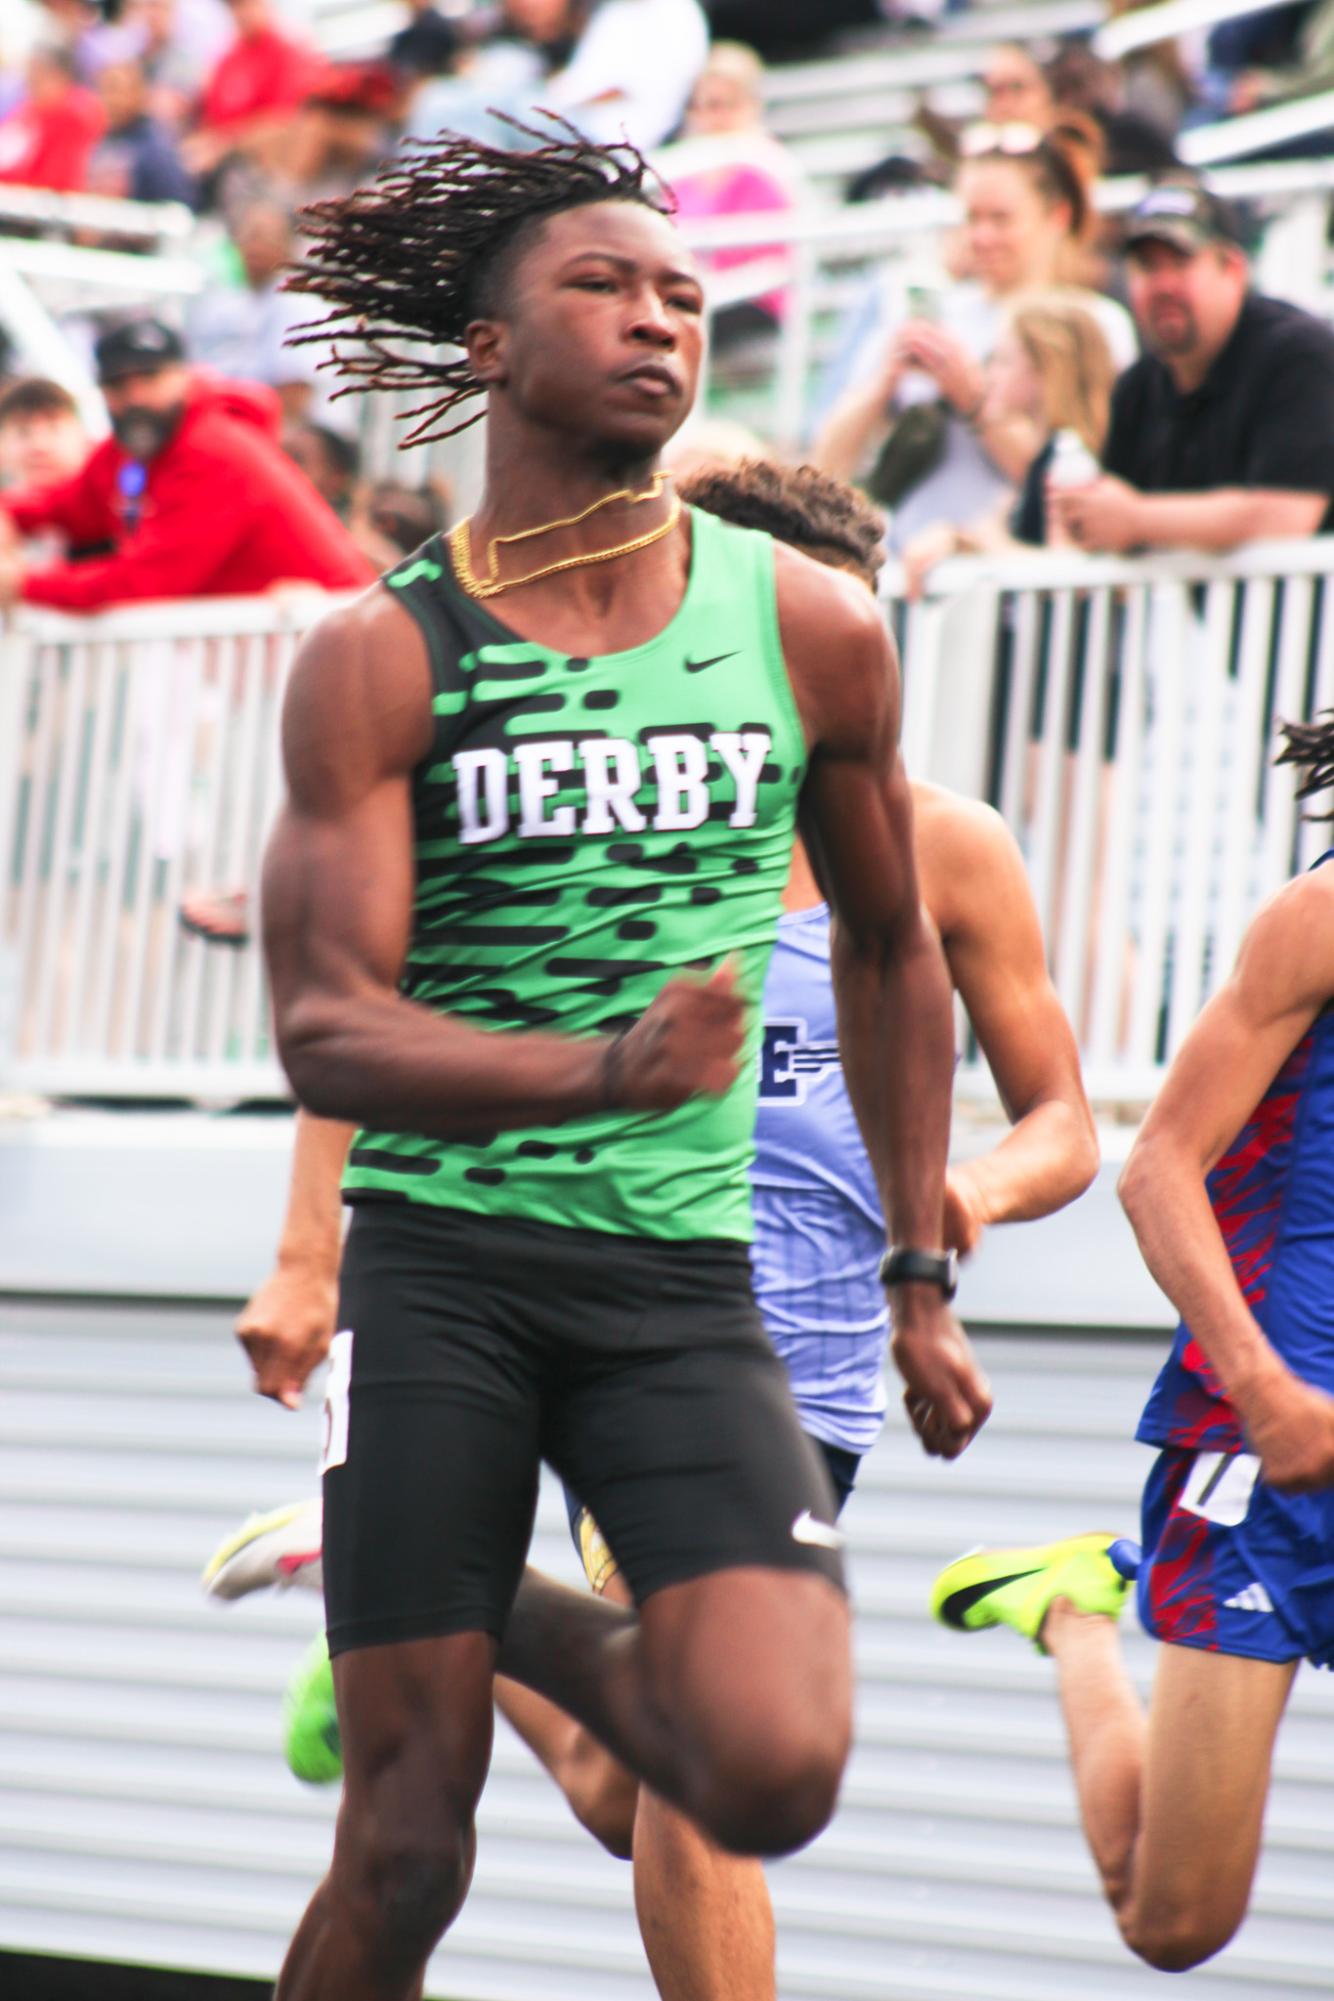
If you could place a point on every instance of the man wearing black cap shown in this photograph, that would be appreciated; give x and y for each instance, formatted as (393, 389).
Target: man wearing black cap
(1223, 431)
(191, 492)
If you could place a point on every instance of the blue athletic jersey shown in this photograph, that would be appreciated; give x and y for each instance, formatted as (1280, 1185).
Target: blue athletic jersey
(819, 1230)
(1273, 1196)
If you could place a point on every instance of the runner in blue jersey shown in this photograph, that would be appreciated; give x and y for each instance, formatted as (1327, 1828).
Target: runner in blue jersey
(1230, 1189)
(819, 1238)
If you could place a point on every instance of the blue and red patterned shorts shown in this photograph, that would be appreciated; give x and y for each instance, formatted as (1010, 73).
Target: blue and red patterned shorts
(1232, 1566)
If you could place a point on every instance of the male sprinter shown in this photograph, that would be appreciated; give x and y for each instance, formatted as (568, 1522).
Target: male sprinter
(1230, 1188)
(705, 1915)
(502, 838)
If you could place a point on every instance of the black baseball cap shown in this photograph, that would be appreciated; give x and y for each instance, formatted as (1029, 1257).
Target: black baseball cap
(1186, 216)
(138, 348)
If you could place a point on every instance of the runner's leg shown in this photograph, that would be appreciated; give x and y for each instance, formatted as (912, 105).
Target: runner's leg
(1174, 1827)
(431, 1462)
(671, 1418)
(704, 1915)
(415, 1719)
(730, 1694)
(602, 1794)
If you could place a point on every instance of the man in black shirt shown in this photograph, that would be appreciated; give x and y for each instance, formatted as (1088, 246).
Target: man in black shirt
(1223, 431)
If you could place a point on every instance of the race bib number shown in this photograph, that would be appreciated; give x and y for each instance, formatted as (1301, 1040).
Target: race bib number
(337, 1388)
(1219, 1487)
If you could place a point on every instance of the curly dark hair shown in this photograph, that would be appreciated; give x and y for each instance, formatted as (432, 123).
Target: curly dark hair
(796, 504)
(430, 245)
(1310, 746)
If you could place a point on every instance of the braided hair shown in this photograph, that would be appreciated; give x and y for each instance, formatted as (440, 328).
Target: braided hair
(1310, 746)
(428, 246)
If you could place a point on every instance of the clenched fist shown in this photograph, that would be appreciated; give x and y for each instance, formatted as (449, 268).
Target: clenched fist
(1291, 1426)
(686, 1045)
(287, 1327)
(946, 1395)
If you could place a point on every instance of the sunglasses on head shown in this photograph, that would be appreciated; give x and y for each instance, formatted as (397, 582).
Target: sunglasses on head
(1009, 139)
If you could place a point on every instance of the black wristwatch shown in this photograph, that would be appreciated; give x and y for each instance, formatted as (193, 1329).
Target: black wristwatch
(906, 1267)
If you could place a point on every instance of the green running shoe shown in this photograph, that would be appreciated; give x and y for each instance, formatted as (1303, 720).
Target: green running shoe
(1014, 1587)
(310, 1720)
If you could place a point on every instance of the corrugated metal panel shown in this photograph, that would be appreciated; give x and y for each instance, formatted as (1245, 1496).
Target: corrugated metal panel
(145, 1813)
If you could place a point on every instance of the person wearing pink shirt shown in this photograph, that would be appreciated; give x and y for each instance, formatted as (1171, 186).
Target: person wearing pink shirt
(728, 165)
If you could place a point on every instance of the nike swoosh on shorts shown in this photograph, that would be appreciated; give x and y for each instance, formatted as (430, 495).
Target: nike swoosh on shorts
(807, 1529)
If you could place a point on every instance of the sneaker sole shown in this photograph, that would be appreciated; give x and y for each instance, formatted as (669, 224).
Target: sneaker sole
(222, 1576)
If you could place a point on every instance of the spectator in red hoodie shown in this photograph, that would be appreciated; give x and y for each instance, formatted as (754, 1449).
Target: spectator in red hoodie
(47, 139)
(192, 491)
(250, 97)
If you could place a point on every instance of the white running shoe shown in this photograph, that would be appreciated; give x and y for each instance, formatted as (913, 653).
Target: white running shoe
(273, 1551)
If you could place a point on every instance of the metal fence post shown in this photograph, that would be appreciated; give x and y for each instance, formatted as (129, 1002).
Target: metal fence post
(15, 677)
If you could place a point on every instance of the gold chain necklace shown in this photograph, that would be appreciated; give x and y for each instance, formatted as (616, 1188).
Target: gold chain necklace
(490, 586)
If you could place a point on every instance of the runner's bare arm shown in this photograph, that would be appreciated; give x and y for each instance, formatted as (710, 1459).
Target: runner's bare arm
(338, 892)
(287, 1325)
(976, 887)
(890, 981)
(1283, 977)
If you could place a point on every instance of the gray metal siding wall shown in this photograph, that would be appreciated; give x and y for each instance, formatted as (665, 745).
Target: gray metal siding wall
(145, 1812)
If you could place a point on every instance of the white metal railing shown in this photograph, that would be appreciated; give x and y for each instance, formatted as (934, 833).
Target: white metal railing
(158, 222)
(959, 45)
(1276, 125)
(138, 760)
(1119, 712)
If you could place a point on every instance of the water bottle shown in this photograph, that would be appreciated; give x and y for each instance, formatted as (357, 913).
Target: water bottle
(1072, 464)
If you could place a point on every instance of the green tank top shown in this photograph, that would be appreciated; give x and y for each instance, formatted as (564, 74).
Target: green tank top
(583, 830)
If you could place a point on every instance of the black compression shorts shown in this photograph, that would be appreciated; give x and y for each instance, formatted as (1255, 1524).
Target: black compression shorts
(474, 1347)
(600, 1565)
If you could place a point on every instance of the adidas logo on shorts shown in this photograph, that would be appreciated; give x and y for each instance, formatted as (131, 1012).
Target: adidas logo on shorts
(1251, 1598)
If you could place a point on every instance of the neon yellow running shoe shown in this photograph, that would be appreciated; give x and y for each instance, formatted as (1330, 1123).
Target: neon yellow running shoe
(310, 1720)
(1014, 1587)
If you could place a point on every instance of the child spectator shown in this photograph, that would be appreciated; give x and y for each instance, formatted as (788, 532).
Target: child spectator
(42, 436)
(43, 443)
(1052, 370)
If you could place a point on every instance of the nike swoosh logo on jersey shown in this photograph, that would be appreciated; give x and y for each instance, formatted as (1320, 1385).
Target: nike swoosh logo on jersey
(807, 1529)
(959, 1602)
(698, 666)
